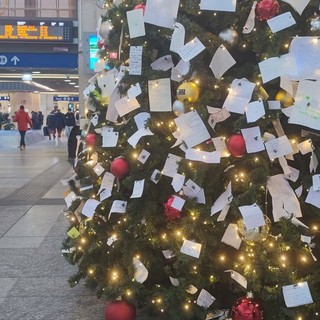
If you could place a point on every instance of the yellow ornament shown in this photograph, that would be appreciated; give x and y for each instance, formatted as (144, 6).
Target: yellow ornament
(256, 235)
(188, 91)
(285, 98)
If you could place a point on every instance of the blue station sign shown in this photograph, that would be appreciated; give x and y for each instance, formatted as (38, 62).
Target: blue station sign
(4, 98)
(39, 60)
(65, 98)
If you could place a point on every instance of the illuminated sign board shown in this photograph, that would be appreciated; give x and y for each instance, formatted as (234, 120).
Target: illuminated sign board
(4, 98)
(93, 49)
(36, 31)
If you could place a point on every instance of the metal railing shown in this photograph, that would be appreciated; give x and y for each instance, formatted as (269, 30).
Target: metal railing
(39, 9)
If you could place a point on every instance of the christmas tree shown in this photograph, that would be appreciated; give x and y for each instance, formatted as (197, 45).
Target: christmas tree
(199, 179)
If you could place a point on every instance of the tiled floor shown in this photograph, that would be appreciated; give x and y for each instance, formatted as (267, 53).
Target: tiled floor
(33, 272)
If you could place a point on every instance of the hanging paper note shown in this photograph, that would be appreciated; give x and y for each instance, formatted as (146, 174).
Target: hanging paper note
(168, 254)
(191, 49)
(109, 139)
(298, 5)
(126, 105)
(249, 25)
(218, 5)
(221, 62)
(224, 199)
(171, 165)
(136, 23)
(118, 206)
(163, 64)
(70, 198)
(143, 156)
(162, 13)
(252, 216)
(177, 203)
(111, 240)
(192, 129)
(231, 236)
(135, 138)
(138, 189)
(90, 207)
(107, 182)
(98, 169)
(141, 272)
(203, 156)
(239, 95)
(112, 113)
(160, 95)
(205, 299)
(255, 111)
(238, 278)
(253, 139)
(313, 197)
(155, 177)
(135, 60)
(313, 163)
(281, 21)
(134, 91)
(141, 120)
(297, 295)
(306, 147)
(191, 248)
(107, 83)
(221, 147)
(278, 147)
(177, 182)
(177, 39)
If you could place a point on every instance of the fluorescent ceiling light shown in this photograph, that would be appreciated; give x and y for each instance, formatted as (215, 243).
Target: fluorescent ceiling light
(27, 77)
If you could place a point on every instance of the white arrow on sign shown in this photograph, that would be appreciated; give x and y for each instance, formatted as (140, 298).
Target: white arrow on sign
(15, 60)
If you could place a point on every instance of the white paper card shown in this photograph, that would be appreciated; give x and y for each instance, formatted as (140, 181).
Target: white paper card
(126, 105)
(118, 206)
(203, 156)
(218, 5)
(155, 177)
(224, 199)
(252, 216)
(107, 182)
(141, 273)
(135, 60)
(221, 62)
(109, 139)
(160, 95)
(192, 129)
(107, 83)
(313, 197)
(239, 95)
(162, 13)
(305, 146)
(168, 254)
(112, 113)
(313, 163)
(221, 147)
(138, 189)
(163, 64)
(191, 49)
(171, 165)
(177, 182)
(236, 276)
(293, 175)
(135, 138)
(254, 111)
(253, 139)
(178, 36)
(297, 295)
(191, 248)
(298, 5)
(98, 169)
(205, 299)
(278, 147)
(231, 236)
(143, 156)
(134, 91)
(136, 23)
(281, 21)
(105, 194)
(111, 240)
(316, 182)
(141, 120)
(274, 105)
(89, 208)
(178, 203)
(70, 198)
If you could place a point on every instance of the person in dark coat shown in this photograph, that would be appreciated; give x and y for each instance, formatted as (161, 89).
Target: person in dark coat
(23, 119)
(72, 143)
(40, 116)
(59, 123)
(35, 120)
(69, 121)
(51, 126)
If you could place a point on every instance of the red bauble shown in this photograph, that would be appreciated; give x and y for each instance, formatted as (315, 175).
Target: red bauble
(101, 44)
(120, 168)
(267, 9)
(247, 309)
(140, 6)
(120, 310)
(169, 212)
(236, 145)
(90, 139)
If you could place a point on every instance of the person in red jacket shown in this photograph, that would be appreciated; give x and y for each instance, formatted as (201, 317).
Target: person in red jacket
(22, 118)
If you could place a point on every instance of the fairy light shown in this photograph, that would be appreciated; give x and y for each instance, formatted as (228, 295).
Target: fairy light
(304, 259)
(128, 293)
(222, 258)
(91, 271)
(83, 240)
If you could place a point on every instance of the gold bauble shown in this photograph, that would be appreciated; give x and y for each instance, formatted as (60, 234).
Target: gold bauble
(256, 235)
(285, 98)
(188, 91)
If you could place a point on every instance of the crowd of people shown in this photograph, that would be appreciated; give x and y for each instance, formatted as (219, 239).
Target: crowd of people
(56, 122)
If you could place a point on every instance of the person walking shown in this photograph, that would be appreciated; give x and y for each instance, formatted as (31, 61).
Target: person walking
(40, 116)
(35, 120)
(59, 123)
(50, 122)
(23, 119)
(69, 121)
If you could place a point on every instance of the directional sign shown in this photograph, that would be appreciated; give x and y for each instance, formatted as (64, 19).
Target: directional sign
(4, 98)
(39, 60)
(65, 98)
